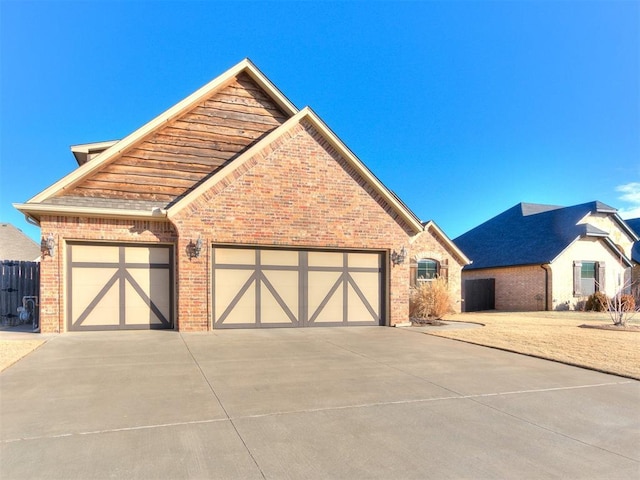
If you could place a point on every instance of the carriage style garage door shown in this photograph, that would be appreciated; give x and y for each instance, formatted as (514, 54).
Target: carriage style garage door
(294, 288)
(114, 287)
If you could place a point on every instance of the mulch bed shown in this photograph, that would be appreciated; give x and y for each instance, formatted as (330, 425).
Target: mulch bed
(621, 328)
(421, 322)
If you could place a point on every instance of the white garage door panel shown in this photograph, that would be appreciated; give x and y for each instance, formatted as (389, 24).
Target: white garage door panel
(285, 288)
(114, 287)
(96, 292)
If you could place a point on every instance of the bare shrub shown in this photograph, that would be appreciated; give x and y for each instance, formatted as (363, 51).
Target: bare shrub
(627, 302)
(597, 302)
(430, 299)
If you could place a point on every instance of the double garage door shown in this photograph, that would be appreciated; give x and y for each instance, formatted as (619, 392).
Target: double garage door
(116, 287)
(296, 288)
(119, 287)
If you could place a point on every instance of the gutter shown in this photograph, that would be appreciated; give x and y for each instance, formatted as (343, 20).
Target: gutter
(33, 212)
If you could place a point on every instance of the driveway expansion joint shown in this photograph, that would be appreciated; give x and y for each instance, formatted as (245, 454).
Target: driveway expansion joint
(235, 428)
(472, 397)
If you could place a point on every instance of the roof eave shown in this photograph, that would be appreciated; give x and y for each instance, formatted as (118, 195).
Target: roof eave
(474, 266)
(620, 254)
(82, 151)
(459, 253)
(36, 211)
(627, 229)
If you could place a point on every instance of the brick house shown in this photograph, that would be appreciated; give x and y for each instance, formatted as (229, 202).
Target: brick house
(232, 209)
(543, 257)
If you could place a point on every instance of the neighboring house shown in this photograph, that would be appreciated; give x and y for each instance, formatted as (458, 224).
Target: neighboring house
(16, 246)
(544, 257)
(634, 224)
(232, 209)
(19, 276)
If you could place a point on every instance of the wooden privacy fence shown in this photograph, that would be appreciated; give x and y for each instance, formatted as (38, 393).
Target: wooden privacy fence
(18, 281)
(479, 294)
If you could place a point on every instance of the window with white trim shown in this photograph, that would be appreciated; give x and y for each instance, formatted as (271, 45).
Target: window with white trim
(428, 269)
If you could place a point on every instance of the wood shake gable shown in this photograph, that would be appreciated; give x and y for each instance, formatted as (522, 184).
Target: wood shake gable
(209, 137)
(167, 163)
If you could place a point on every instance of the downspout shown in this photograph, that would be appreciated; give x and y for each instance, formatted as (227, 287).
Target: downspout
(547, 273)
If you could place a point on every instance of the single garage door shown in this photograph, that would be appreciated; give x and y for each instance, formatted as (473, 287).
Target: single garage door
(116, 287)
(296, 288)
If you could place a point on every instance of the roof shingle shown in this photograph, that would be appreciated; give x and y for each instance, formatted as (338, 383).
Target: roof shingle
(15, 245)
(528, 234)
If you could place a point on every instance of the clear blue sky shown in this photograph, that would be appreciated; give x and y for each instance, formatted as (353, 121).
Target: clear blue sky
(463, 109)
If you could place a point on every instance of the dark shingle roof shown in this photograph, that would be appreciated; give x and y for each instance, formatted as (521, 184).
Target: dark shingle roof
(634, 224)
(528, 234)
(15, 245)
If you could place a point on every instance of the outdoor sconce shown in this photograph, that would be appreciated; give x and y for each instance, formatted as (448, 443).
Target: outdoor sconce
(194, 249)
(47, 245)
(398, 257)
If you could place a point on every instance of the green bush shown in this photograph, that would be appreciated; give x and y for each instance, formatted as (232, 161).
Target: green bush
(597, 302)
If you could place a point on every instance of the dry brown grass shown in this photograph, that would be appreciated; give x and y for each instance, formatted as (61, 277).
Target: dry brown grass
(13, 350)
(555, 336)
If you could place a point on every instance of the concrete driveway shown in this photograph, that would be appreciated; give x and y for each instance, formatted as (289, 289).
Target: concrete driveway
(346, 403)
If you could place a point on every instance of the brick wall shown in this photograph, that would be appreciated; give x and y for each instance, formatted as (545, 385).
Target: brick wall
(297, 192)
(517, 288)
(428, 245)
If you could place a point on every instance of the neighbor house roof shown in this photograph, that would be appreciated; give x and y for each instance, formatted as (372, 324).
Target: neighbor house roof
(634, 224)
(60, 197)
(530, 234)
(15, 245)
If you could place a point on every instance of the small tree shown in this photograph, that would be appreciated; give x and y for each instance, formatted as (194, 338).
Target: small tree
(622, 306)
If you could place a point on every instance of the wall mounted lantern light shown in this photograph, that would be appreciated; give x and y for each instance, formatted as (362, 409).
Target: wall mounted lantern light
(398, 257)
(194, 249)
(47, 245)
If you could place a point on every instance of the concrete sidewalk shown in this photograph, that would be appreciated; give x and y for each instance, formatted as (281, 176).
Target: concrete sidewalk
(353, 403)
